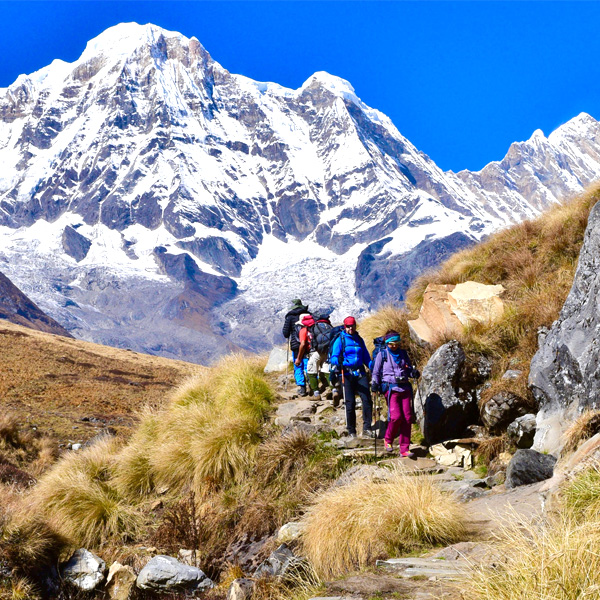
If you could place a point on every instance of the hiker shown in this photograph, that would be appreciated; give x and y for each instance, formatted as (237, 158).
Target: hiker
(308, 354)
(349, 359)
(290, 331)
(320, 333)
(391, 371)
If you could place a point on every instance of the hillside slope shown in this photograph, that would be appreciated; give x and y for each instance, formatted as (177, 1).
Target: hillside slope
(53, 382)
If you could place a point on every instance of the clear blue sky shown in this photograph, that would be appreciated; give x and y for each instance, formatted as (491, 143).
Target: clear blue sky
(461, 80)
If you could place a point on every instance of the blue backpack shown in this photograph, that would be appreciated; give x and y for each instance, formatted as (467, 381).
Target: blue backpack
(334, 335)
(379, 344)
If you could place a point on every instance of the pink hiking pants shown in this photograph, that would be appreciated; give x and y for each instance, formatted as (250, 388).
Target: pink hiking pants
(400, 414)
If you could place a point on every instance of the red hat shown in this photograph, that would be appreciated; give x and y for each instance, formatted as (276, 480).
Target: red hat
(349, 321)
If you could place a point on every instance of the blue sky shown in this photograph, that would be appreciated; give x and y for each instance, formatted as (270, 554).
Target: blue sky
(461, 80)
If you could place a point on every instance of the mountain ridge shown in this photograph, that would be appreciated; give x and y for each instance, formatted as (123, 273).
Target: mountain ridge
(146, 149)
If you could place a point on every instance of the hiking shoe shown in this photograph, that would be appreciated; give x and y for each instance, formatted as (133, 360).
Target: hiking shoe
(369, 433)
(316, 395)
(388, 447)
(335, 398)
(302, 391)
(407, 454)
(352, 436)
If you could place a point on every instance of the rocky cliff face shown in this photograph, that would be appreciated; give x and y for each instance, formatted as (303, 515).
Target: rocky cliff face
(564, 372)
(145, 150)
(17, 308)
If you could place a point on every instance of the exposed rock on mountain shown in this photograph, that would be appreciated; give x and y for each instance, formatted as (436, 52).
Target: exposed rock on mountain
(146, 142)
(564, 372)
(17, 308)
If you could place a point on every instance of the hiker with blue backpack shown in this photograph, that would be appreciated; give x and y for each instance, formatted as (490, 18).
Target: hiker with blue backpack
(392, 369)
(349, 359)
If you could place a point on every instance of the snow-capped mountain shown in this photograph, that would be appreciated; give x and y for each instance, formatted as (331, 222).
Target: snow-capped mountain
(149, 198)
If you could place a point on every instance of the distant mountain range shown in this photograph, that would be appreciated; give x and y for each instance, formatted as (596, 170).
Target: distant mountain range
(151, 199)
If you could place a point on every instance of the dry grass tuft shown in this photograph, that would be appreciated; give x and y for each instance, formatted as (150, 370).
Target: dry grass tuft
(558, 561)
(78, 499)
(489, 449)
(349, 527)
(583, 428)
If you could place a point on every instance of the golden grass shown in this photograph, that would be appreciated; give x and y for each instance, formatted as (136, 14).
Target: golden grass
(558, 561)
(77, 499)
(490, 448)
(582, 428)
(348, 527)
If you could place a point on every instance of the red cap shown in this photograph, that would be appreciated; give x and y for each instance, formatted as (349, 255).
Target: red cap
(349, 321)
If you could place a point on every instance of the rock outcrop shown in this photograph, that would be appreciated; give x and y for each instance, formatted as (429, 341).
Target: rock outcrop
(447, 308)
(564, 372)
(446, 401)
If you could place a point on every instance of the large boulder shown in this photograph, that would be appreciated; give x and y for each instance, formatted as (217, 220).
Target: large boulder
(84, 570)
(564, 371)
(476, 302)
(278, 361)
(447, 308)
(167, 574)
(446, 401)
(529, 466)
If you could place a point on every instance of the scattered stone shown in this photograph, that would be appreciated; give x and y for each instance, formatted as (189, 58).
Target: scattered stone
(241, 589)
(278, 563)
(278, 361)
(529, 466)
(288, 410)
(495, 479)
(362, 473)
(187, 557)
(290, 532)
(453, 454)
(84, 570)
(512, 374)
(445, 404)
(165, 574)
(120, 581)
(502, 409)
(521, 431)
(248, 552)
(76, 447)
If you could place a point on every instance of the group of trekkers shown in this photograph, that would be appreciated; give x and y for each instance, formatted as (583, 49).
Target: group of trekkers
(326, 357)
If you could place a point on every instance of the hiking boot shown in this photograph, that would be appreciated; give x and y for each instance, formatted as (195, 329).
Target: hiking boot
(302, 391)
(388, 447)
(369, 433)
(407, 454)
(316, 395)
(336, 397)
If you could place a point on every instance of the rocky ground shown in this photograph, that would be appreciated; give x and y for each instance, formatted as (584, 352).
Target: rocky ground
(489, 506)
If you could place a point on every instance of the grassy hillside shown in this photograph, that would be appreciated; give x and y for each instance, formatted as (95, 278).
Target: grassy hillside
(535, 261)
(52, 382)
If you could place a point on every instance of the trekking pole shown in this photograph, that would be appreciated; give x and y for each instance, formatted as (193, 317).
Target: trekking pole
(287, 365)
(376, 421)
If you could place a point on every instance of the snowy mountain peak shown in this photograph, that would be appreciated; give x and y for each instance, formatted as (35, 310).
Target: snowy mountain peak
(148, 194)
(124, 38)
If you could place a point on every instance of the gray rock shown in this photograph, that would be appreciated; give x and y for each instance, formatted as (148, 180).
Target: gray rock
(564, 372)
(446, 401)
(84, 570)
(521, 431)
(500, 410)
(74, 244)
(165, 573)
(290, 532)
(495, 479)
(278, 563)
(296, 408)
(529, 466)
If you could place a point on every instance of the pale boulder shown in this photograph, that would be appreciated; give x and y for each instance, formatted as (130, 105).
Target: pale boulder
(436, 321)
(120, 581)
(471, 301)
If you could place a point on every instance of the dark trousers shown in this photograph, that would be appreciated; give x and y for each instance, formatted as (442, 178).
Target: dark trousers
(357, 385)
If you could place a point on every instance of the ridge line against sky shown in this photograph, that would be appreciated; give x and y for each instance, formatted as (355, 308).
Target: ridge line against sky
(460, 80)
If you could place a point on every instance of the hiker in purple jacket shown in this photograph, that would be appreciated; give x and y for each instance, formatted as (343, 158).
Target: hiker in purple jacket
(391, 371)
